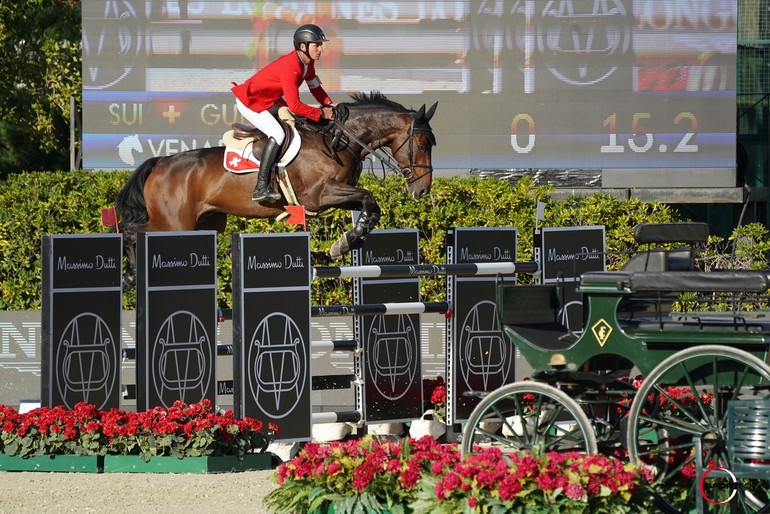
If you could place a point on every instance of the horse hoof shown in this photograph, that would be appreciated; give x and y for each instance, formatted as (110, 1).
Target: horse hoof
(344, 244)
(336, 252)
(341, 247)
(129, 282)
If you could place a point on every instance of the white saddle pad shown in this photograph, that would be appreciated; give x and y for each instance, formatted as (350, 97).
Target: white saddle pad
(241, 160)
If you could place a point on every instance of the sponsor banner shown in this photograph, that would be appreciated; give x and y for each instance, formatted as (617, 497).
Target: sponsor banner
(271, 331)
(391, 362)
(565, 253)
(176, 318)
(81, 321)
(480, 357)
(568, 252)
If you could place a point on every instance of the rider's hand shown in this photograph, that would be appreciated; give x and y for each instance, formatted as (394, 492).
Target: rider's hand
(327, 113)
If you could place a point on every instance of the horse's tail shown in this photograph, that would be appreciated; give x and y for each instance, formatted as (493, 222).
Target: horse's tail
(130, 201)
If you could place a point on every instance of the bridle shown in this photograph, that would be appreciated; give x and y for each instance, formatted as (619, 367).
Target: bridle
(388, 160)
(410, 154)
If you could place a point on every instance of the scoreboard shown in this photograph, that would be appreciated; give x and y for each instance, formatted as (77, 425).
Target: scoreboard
(594, 84)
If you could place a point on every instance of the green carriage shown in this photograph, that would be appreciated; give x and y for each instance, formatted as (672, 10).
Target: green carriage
(650, 375)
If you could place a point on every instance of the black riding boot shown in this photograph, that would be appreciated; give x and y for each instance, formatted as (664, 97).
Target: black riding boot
(262, 191)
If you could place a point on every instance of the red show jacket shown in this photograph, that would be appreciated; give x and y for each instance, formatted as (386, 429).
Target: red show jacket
(279, 82)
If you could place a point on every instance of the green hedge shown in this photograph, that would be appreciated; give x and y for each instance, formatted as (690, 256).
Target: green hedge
(34, 204)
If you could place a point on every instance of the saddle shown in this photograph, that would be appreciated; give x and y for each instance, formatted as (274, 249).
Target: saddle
(241, 135)
(241, 138)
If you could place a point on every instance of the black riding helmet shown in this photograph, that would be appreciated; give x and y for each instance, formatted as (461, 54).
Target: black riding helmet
(308, 33)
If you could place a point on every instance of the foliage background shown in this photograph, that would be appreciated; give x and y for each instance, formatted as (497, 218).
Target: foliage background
(40, 49)
(34, 204)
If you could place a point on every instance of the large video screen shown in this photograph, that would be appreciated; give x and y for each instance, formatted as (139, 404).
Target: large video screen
(593, 84)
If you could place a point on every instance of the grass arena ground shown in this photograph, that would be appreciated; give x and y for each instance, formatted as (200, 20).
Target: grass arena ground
(38, 492)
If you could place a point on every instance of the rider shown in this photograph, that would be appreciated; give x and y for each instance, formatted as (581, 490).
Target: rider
(278, 84)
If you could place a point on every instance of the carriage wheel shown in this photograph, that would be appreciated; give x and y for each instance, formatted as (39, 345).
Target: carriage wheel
(529, 415)
(684, 399)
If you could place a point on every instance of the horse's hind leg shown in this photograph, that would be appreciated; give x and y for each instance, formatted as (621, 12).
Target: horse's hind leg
(212, 221)
(130, 232)
(129, 249)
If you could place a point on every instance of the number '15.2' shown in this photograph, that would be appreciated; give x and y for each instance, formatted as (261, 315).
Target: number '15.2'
(642, 139)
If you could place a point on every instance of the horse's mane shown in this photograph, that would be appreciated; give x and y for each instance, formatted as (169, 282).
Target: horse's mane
(376, 98)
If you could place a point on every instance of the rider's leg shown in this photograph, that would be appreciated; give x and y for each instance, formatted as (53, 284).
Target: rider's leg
(266, 162)
(267, 123)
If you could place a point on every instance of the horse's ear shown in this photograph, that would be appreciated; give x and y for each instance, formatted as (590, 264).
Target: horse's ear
(431, 112)
(420, 113)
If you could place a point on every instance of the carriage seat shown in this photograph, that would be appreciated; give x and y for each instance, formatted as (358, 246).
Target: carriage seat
(532, 313)
(660, 259)
(670, 282)
(699, 281)
(651, 233)
(648, 296)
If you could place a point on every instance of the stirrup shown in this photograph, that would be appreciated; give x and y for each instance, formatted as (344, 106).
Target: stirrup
(265, 194)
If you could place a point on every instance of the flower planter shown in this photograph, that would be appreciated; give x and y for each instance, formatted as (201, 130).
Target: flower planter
(385, 428)
(210, 464)
(427, 425)
(326, 432)
(53, 463)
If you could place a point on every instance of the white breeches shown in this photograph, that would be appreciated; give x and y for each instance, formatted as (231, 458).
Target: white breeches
(264, 121)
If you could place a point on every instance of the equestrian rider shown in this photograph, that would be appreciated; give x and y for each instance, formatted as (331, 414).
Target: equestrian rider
(278, 84)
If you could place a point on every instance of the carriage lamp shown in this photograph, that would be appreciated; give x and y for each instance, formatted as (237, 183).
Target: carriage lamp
(558, 361)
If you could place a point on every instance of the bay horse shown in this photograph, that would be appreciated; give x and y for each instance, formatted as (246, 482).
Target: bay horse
(192, 190)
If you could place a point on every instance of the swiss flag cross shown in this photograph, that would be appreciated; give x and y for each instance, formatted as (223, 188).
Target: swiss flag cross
(170, 110)
(235, 162)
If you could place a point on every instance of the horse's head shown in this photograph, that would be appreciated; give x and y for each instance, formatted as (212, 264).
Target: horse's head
(413, 152)
(376, 122)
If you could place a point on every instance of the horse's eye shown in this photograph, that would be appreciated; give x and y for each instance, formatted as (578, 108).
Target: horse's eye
(422, 147)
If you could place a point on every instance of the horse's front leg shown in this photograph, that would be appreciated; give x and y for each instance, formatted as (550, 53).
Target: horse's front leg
(367, 220)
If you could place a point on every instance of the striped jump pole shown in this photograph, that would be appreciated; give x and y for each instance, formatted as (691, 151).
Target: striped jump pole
(377, 309)
(352, 416)
(426, 270)
(337, 345)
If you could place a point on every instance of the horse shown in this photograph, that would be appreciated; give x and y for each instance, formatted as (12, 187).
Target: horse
(193, 190)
